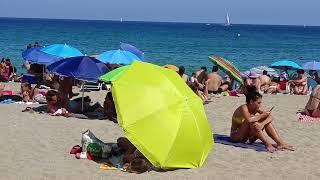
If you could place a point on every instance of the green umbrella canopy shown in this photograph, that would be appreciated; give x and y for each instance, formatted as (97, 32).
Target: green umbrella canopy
(114, 74)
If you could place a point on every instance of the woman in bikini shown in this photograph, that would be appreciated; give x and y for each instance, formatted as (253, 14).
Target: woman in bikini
(313, 105)
(249, 122)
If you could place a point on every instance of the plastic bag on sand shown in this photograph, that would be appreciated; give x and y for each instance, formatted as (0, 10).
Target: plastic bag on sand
(94, 146)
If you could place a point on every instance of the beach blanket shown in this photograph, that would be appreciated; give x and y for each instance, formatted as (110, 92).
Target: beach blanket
(306, 118)
(225, 140)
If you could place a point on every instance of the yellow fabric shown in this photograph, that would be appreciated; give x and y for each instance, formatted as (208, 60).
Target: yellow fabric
(172, 67)
(238, 120)
(162, 116)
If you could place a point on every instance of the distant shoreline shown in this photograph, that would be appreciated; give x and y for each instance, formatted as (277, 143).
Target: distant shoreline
(137, 21)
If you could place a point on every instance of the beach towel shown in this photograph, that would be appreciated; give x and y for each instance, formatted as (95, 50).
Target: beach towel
(225, 140)
(15, 98)
(306, 118)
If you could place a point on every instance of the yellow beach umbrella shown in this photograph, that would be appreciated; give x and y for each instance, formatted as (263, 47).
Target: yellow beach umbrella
(162, 116)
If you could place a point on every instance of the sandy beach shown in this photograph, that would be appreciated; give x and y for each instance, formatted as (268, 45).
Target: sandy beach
(36, 146)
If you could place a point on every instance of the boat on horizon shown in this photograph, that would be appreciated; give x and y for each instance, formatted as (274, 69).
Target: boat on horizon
(228, 22)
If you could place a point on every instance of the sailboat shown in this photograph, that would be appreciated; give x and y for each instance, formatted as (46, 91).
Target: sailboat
(121, 20)
(228, 23)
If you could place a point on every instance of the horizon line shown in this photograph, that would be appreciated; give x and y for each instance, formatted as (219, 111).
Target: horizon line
(174, 22)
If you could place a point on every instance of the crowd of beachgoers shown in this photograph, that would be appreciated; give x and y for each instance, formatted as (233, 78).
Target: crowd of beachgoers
(249, 121)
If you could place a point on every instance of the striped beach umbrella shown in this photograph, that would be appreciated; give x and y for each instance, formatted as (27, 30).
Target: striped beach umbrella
(227, 66)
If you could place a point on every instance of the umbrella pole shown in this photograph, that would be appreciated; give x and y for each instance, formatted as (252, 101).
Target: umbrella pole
(82, 87)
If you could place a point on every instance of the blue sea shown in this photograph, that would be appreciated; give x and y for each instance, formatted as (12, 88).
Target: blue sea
(187, 44)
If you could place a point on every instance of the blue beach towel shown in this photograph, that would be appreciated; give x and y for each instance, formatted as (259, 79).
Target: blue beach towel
(225, 140)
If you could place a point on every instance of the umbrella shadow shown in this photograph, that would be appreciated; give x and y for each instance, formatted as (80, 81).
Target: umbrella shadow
(225, 140)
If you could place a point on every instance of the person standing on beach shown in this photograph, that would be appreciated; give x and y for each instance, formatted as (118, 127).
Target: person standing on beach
(265, 81)
(249, 122)
(214, 81)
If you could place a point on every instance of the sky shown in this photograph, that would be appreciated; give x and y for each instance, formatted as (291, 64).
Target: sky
(284, 12)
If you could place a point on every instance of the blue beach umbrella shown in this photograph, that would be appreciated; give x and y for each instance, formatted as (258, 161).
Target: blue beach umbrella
(312, 65)
(35, 55)
(82, 68)
(117, 57)
(132, 49)
(285, 64)
(62, 50)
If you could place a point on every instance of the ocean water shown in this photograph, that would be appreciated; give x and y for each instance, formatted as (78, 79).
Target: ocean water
(166, 43)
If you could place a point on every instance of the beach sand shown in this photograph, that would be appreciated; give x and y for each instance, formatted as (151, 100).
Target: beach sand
(36, 146)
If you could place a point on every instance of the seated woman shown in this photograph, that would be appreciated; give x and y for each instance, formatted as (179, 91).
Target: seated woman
(313, 105)
(300, 85)
(249, 122)
(109, 108)
(274, 87)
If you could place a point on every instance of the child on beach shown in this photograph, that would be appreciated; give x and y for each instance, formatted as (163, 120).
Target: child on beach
(249, 122)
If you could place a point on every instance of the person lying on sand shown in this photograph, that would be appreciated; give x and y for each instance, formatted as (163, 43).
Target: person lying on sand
(300, 85)
(133, 158)
(58, 105)
(227, 84)
(249, 122)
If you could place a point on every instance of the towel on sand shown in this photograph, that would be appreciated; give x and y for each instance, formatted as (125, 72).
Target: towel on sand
(306, 118)
(225, 140)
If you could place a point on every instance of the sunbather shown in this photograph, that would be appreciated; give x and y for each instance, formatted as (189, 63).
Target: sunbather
(249, 122)
(58, 105)
(135, 160)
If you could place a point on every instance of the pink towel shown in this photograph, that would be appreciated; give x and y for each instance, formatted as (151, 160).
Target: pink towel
(7, 92)
(306, 118)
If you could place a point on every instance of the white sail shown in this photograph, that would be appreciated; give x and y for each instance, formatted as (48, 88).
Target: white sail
(228, 23)
(121, 20)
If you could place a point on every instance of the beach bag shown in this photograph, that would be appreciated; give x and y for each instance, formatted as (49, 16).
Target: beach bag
(94, 146)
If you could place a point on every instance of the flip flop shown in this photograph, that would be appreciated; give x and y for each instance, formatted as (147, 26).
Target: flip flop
(27, 109)
(76, 149)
